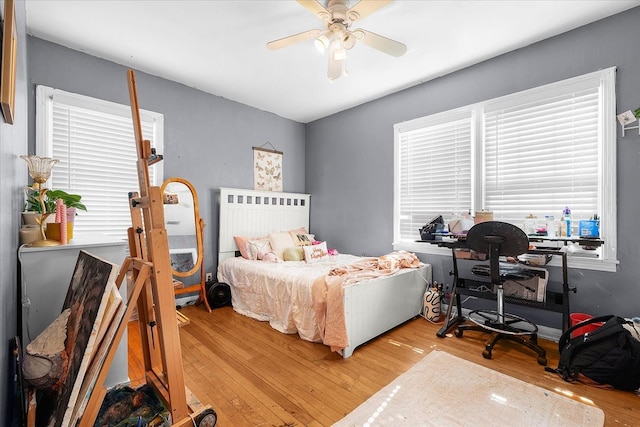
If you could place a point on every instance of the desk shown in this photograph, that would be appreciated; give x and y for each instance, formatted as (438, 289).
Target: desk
(582, 241)
(558, 302)
(446, 239)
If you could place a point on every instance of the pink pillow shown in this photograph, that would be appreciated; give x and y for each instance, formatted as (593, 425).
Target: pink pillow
(241, 243)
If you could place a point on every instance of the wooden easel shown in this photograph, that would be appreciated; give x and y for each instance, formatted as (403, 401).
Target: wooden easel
(153, 292)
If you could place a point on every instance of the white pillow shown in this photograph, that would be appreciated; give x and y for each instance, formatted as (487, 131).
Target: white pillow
(315, 253)
(280, 241)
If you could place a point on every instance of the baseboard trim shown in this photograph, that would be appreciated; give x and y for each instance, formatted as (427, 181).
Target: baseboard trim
(551, 334)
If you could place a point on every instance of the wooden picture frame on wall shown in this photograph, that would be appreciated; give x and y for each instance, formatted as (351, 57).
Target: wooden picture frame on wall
(9, 53)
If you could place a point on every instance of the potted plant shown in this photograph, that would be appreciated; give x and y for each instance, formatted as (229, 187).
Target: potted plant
(33, 208)
(50, 197)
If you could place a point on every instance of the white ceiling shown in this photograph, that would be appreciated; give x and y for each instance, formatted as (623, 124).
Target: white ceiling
(219, 46)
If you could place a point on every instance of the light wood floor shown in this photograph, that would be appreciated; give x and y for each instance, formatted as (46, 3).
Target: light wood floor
(253, 375)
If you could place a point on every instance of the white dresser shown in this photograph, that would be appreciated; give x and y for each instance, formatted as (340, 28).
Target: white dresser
(45, 277)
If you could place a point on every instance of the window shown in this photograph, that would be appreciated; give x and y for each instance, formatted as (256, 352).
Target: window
(94, 141)
(434, 169)
(533, 152)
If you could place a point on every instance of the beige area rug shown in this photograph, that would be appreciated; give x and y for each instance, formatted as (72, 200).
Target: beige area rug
(444, 390)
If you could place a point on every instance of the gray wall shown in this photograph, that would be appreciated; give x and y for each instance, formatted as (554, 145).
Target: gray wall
(349, 168)
(208, 140)
(13, 172)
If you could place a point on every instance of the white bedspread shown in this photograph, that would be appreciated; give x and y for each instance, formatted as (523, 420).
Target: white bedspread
(279, 293)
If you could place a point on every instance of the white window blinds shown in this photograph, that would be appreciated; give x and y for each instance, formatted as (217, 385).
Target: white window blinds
(434, 165)
(541, 156)
(94, 141)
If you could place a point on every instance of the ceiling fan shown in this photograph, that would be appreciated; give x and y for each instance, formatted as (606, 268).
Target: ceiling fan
(337, 36)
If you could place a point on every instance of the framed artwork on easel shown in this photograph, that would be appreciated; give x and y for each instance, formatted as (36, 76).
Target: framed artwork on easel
(9, 53)
(267, 168)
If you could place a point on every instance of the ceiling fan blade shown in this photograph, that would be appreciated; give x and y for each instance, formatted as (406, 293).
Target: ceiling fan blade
(316, 8)
(296, 38)
(381, 43)
(364, 8)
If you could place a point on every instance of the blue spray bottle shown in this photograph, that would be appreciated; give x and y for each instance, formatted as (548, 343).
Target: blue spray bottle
(566, 218)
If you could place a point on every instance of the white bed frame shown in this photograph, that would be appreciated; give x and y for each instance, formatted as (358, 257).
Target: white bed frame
(371, 307)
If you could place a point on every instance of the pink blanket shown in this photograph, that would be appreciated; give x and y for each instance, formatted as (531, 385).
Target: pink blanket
(328, 291)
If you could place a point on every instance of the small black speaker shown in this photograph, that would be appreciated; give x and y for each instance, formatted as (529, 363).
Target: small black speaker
(219, 295)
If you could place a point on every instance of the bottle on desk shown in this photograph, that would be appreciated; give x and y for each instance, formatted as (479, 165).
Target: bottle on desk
(565, 224)
(551, 225)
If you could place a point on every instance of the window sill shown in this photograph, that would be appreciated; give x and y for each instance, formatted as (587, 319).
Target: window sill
(577, 262)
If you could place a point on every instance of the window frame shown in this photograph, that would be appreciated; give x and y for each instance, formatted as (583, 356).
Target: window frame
(46, 96)
(607, 184)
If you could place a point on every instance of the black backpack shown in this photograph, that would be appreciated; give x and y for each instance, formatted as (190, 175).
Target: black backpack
(608, 355)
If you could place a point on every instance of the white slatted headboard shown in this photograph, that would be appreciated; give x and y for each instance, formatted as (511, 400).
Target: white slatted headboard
(254, 213)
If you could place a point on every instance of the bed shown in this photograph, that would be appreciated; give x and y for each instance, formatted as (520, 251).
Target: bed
(284, 293)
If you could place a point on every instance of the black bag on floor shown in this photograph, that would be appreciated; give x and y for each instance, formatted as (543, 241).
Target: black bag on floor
(608, 355)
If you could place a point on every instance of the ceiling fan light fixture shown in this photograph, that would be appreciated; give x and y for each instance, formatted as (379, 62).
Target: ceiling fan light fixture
(336, 70)
(337, 50)
(337, 60)
(340, 55)
(349, 41)
(321, 43)
(337, 37)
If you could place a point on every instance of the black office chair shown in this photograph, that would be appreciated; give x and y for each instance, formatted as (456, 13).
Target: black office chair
(497, 239)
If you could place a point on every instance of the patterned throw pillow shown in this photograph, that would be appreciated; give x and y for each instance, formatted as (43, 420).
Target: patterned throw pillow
(304, 239)
(299, 241)
(256, 249)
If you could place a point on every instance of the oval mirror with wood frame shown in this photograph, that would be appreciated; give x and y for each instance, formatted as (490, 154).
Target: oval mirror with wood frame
(185, 235)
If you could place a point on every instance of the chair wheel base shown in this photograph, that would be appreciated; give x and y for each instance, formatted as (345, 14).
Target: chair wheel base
(505, 326)
(509, 324)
